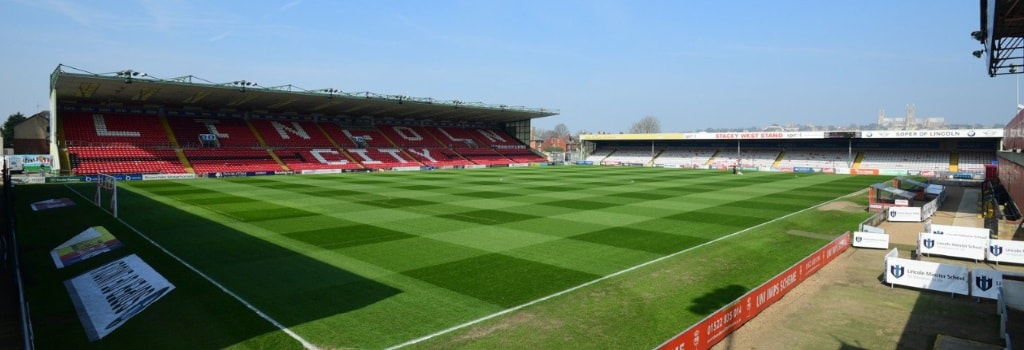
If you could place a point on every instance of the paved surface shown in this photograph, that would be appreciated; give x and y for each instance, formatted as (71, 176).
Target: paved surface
(967, 213)
(846, 306)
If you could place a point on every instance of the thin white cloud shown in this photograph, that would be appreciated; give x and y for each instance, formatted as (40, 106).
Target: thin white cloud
(289, 5)
(220, 36)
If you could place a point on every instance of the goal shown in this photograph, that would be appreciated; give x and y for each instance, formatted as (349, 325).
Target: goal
(106, 184)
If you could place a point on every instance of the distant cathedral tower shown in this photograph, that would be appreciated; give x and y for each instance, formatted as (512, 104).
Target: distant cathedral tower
(911, 125)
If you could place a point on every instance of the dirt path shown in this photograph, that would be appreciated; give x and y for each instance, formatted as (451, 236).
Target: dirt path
(846, 306)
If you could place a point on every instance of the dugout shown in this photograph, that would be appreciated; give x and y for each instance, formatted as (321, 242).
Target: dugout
(883, 195)
(921, 190)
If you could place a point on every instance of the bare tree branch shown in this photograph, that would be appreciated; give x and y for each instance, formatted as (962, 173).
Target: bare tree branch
(647, 125)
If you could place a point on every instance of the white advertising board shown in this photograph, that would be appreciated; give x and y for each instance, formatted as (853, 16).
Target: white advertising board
(905, 214)
(320, 171)
(1005, 251)
(927, 275)
(959, 231)
(755, 135)
(870, 240)
(985, 283)
(954, 246)
(872, 229)
(941, 133)
(167, 176)
(930, 208)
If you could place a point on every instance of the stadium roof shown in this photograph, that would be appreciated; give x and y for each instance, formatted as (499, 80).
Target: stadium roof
(1002, 34)
(805, 135)
(132, 87)
(886, 187)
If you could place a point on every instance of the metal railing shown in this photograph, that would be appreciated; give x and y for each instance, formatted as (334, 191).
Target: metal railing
(26, 322)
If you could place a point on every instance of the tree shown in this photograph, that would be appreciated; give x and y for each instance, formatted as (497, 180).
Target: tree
(8, 132)
(561, 130)
(547, 134)
(648, 125)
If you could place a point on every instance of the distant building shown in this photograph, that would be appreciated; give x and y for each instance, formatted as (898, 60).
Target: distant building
(32, 136)
(910, 122)
(556, 142)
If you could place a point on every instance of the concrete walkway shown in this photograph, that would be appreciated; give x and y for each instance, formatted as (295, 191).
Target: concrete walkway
(967, 213)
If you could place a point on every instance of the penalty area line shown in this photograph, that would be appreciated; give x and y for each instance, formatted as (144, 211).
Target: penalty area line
(606, 277)
(306, 344)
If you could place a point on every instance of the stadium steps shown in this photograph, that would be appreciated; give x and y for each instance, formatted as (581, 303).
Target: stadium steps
(278, 160)
(263, 144)
(857, 160)
(457, 154)
(438, 139)
(170, 133)
(184, 161)
(954, 162)
(712, 158)
(778, 160)
(404, 152)
(608, 156)
(651, 163)
(388, 139)
(338, 147)
(65, 157)
(177, 148)
(259, 138)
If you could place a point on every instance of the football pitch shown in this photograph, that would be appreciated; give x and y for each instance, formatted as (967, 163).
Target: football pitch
(375, 260)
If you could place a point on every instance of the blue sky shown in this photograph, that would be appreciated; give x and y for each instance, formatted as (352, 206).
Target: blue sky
(603, 64)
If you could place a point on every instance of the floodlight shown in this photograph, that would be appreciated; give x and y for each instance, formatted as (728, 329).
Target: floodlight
(242, 84)
(330, 92)
(978, 35)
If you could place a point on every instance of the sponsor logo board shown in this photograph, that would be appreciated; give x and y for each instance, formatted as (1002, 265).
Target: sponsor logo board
(167, 176)
(958, 231)
(52, 204)
(108, 296)
(927, 275)
(1005, 251)
(905, 214)
(985, 283)
(870, 240)
(953, 246)
(93, 241)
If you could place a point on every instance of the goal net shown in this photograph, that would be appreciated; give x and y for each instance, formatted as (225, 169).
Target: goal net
(106, 185)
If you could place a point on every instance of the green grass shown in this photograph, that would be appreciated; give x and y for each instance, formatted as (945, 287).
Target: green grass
(374, 260)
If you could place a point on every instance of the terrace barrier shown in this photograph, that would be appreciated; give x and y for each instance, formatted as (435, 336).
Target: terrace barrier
(728, 319)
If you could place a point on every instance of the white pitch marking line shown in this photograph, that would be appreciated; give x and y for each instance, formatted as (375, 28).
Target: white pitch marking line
(516, 308)
(305, 344)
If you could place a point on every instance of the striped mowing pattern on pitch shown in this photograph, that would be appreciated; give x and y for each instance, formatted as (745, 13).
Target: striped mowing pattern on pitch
(372, 260)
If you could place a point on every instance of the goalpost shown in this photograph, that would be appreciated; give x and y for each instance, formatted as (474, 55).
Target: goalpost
(106, 183)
